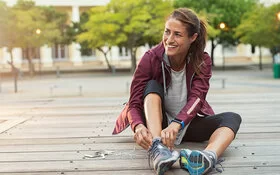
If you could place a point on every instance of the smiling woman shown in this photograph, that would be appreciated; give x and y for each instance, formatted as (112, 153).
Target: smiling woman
(168, 104)
(177, 42)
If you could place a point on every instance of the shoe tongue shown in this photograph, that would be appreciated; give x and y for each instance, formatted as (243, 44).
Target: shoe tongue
(160, 146)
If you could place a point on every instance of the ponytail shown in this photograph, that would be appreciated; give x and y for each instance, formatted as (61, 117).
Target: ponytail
(196, 51)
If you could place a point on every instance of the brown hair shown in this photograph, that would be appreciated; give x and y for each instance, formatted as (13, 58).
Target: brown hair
(193, 25)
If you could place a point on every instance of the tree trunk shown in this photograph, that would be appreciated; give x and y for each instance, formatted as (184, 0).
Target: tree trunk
(30, 63)
(106, 58)
(12, 58)
(14, 70)
(260, 58)
(133, 59)
(212, 51)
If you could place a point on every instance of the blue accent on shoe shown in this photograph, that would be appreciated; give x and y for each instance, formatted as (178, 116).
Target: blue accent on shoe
(196, 162)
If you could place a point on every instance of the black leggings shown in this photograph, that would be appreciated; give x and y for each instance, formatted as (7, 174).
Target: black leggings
(200, 128)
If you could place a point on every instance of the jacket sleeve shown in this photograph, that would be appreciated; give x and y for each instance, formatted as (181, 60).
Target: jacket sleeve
(199, 89)
(142, 75)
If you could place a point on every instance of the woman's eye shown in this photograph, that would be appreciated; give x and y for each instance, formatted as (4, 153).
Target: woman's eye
(177, 34)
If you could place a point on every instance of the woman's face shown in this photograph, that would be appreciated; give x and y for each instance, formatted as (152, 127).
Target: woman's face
(176, 40)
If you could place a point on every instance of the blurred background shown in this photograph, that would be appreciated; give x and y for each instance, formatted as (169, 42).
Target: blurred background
(51, 37)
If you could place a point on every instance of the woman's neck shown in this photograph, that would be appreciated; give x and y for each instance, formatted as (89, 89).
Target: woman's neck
(177, 64)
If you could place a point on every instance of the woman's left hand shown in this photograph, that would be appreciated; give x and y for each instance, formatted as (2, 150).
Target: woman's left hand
(169, 134)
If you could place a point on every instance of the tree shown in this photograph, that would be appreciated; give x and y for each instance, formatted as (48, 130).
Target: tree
(3, 16)
(260, 28)
(28, 26)
(217, 11)
(102, 31)
(144, 24)
(125, 23)
(7, 36)
(29, 20)
(59, 22)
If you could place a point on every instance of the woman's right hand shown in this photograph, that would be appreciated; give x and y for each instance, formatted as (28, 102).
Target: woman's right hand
(143, 137)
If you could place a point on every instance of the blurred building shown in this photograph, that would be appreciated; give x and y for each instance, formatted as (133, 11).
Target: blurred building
(64, 56)
(70, 57)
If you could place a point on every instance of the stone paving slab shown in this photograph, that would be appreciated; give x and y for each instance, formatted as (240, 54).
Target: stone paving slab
(61, 133)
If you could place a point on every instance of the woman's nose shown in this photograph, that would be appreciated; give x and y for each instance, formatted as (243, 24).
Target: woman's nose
(170, 38)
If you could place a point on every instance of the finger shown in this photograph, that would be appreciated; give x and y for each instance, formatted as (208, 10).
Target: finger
(172, 140)
(147, 137)
(150, 138)
(163, 139)
(140, 140)
(167, 139)
(145, 146)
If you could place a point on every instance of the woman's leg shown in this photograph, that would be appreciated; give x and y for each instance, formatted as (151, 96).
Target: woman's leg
(162, 157)
(220, 140)
(153, 114)
(220, 130)
(154, 108)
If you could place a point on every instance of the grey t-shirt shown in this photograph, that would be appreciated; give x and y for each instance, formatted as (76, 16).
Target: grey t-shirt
(176, 99)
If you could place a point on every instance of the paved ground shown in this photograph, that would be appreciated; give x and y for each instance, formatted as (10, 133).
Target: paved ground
(63, 125)
(117, 85)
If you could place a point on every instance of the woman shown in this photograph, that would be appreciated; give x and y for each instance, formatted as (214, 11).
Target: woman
(168, 104)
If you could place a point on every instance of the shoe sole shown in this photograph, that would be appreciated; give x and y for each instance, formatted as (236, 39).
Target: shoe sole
(197, 163)
(165, 165)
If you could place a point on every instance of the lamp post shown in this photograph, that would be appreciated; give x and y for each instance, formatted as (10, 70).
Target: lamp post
(38, 32)
(223, 27)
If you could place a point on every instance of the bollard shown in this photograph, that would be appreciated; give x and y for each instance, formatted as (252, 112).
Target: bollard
(51, 91)
(223, 83)
(57, 71)
(127, 87)
(113, 70)
(81, 90)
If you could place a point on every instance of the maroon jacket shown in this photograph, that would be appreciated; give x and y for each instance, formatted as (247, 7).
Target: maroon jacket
(150, 68)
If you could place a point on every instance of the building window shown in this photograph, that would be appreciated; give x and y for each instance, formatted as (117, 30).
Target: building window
(33, 53)
(123, 51)
(59, 51)
(87, 52)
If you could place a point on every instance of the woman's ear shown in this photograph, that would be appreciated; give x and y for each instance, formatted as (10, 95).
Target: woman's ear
(193, 38)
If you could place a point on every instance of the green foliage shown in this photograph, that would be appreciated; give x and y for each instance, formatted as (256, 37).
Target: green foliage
(22, 20)
(59, 23)
(3, 17)
(101, 29)
(260, 27)
(28, 26)
(217, 11)
(127, 23)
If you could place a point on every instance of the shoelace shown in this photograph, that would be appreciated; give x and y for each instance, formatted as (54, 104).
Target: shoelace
(219, 162)
(153, 152)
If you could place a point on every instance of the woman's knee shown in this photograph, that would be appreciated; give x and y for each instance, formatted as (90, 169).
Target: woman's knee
(234, 116)
(153, 98)
(231, 120)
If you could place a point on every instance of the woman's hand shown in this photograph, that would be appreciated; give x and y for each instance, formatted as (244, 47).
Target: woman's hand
(169, 134)
(143, 137)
